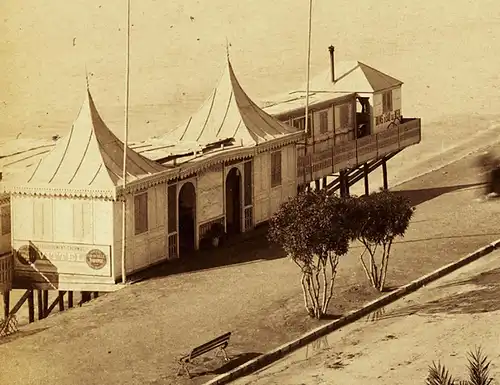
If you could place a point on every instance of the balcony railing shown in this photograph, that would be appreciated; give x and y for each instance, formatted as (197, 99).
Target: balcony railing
(6, 272)
(317, 165)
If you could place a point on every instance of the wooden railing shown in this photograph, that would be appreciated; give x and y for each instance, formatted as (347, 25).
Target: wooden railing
(317, 165)
(6, 272)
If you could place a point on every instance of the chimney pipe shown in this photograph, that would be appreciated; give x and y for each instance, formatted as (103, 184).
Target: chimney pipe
(332, 61)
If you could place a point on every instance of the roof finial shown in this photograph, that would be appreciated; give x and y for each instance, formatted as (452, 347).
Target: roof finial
(227, 48)
(86, 77)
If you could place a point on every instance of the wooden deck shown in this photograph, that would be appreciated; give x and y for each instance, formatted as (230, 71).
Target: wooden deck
(316, 165)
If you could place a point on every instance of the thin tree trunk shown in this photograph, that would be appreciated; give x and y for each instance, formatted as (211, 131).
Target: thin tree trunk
(304, 290)
(325, 287)
(317, 288)
(365, 268)
(380, 286)
(333, 267)
(384, 273)
(310, 283)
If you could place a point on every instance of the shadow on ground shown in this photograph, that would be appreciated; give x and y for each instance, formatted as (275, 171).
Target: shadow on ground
(243, 248)
(253, 246)
(420, 196)
(482, 299)
(20, 334)
(211, 367)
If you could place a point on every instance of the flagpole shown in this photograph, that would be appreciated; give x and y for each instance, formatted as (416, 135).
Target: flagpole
(125, 145)
(307, 128)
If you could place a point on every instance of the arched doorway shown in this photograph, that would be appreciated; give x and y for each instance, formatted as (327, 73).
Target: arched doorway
(187, 218)
(233, 201)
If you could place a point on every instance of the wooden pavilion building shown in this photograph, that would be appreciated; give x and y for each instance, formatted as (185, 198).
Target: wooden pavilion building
(229, 167)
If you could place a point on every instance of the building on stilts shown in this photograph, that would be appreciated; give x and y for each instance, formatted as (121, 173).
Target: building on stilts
(227, 169)
(357, 125)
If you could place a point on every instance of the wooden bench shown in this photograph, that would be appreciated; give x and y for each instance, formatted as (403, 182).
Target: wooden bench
(219, 343)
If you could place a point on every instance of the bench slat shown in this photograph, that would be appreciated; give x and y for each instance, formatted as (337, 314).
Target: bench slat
(221, 341)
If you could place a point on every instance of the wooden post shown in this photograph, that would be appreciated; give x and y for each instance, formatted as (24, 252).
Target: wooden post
(384, 174)
(40, 304)
(31, 306)
(70, 299)
(6, 304)
(316, 184)
(45, 303)
(324, 182)
(346, 181)
(365, 171)
(96, 294)
(61, 301)
(342, 185)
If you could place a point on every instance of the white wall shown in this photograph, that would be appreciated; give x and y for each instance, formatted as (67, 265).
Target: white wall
(267, 200)
(63, 231)
(210, 195)
(144, 249)
(378, 109)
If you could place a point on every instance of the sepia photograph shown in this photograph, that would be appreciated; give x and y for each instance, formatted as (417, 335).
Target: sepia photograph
(297, 192)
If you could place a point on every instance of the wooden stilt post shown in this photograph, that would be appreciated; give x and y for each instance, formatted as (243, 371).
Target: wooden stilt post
(316, 184)
(324, 183)
(45, 303)
(384, 174)
(61, 300)
(365, 172)
(346, 181)
(6, 303)
(96, 294)
(342, 184)
(39, 304)
(70, 299)
(31, 306)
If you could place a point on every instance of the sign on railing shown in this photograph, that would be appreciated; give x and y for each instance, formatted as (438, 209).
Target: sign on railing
(353, 153)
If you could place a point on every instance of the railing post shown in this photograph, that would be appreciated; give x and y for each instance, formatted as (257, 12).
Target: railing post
(384, 174)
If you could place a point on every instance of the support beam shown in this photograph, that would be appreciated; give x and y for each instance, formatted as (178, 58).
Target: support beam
(31, 306)
(324, 183)
(384, 174)
(57, 301)
(39, 301)
(365, 172)
(20, 303)
(96, 294)
(45, 303)
(61, 300)
(70, 299)
(316, 185)
(6, 304)
(342, 183)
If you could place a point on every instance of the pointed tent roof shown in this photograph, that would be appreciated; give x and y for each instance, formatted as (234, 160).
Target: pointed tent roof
(88, 161)
(353, 77)
(229, 113)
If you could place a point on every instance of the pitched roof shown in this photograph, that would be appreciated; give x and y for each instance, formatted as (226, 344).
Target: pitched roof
(228, 114)
(353, 77)
(88, 161)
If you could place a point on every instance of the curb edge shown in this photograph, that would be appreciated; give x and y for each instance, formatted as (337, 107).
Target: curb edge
(354, 315)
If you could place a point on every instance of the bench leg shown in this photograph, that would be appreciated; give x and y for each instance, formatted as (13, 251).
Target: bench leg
(183, 366)
(223, 351)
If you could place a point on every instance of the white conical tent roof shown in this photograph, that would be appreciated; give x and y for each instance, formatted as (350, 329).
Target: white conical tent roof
(88, 161)
(230, 114)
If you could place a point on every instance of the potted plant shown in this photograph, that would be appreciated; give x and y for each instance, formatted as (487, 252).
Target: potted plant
(215, 233)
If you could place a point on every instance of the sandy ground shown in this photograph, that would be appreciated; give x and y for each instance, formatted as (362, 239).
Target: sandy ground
(444, 52)
(134, 336)
(396, 344)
